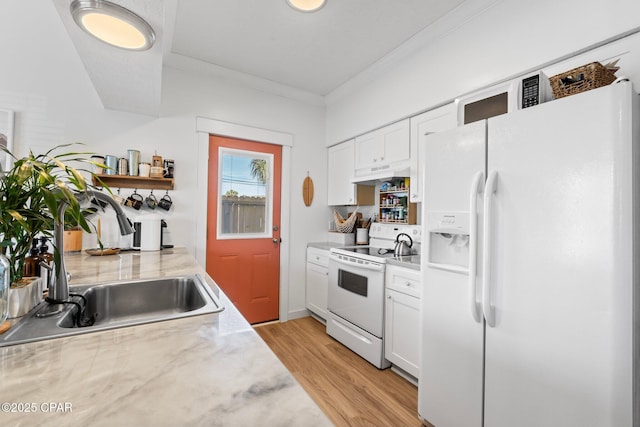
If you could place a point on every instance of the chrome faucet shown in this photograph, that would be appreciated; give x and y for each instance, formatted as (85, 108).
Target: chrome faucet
(59, 285)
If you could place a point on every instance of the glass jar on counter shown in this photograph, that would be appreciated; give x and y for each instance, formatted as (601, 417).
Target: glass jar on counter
(5, 281)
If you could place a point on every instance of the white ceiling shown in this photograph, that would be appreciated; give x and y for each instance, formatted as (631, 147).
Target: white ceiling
(315, 52)
(266, 39)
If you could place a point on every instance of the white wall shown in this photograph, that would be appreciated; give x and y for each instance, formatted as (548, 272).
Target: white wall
(499, 39)
(44, 82)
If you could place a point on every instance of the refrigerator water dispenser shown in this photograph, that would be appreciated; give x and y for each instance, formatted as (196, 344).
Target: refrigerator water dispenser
(449, 241)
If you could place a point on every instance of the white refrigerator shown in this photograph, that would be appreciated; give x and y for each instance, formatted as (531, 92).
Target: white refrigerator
(530, 311)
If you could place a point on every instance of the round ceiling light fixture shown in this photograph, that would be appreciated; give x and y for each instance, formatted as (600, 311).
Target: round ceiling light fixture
(307, 5)
(113, 24)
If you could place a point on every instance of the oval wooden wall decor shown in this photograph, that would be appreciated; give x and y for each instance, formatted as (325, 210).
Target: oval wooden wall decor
(307, 190)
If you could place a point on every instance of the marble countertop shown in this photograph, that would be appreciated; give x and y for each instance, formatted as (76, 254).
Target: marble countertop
(209, 370)
(323, 245)
(412, 262)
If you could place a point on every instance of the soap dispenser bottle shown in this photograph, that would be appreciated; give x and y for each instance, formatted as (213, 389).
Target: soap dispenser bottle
(32, 262)
(47, 258)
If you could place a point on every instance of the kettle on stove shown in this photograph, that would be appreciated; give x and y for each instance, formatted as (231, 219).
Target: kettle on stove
(402, 248)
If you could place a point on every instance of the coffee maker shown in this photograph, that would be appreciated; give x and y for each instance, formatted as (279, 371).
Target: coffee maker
(163, 225)
(149, 233)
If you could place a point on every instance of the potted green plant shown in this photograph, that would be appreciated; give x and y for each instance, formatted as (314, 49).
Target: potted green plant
(30, 192)
(73, 231)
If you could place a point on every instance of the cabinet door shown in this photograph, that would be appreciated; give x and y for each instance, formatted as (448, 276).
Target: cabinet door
(369, 150)
(341, 191)
(317, 289)
(404, 280)
(396, 142)
(402, 331)
(562, 277)
(437, 120)
(376, 149)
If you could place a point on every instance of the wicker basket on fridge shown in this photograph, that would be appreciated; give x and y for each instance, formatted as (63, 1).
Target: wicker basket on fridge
(582, 79)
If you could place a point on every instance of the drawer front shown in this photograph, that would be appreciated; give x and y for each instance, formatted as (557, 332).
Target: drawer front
(318, 256)
(404, 280)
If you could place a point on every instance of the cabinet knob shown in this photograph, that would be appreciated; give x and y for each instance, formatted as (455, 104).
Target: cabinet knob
(389, 297)
(381, 158)
(408, 284)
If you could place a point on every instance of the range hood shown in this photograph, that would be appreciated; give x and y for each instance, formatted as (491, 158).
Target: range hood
(383, 173)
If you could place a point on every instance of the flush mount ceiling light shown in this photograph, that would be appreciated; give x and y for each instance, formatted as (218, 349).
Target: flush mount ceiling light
(113, 24)
(306, 5)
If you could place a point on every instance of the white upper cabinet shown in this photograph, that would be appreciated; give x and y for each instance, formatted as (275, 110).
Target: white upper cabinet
(341, 191)
(382, 149)
(437, 120)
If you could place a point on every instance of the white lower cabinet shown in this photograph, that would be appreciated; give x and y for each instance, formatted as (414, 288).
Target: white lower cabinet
(402, 318)
(317, 281)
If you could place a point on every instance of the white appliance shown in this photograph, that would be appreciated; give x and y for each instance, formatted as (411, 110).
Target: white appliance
(147, 234)
(534, 90)
(492, 101)
(355, 301)
(530, 310)
(506, 97)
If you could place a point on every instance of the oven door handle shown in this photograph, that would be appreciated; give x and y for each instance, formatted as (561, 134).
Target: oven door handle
(368, 266)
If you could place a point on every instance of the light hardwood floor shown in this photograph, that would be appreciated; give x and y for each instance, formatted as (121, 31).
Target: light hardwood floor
(351, 391)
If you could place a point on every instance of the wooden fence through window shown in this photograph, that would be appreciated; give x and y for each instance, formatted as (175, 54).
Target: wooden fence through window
(243, 214)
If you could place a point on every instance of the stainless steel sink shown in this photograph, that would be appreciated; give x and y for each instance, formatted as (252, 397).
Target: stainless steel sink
(116, 305)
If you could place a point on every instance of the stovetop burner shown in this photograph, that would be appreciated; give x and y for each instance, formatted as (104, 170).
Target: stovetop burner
(368, 250)
(369, 253)
(381, 243)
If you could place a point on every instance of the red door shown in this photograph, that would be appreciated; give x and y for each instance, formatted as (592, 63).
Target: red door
(243, 224)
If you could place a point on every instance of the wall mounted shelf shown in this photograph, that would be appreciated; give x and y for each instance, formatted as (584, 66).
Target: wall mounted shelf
(395, 207)
(123, 181)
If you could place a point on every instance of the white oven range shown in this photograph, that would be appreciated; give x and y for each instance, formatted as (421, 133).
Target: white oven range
(356, 291)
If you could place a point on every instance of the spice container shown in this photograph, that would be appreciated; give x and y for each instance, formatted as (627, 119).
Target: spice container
(100, 160)
(123, 167)
(168, 168)
(156, 161)
(144, 169)
(112, 164)
(134, 160)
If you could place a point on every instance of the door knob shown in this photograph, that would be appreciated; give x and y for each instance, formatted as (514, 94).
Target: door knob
(276, 240)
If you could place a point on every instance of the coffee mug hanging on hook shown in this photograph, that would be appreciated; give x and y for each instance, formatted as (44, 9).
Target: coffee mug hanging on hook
(151, 201)
(117, 197)
(134, 201)
(166, 202)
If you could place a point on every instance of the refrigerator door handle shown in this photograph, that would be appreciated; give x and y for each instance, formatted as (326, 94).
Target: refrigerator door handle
(488, 309)
(476, 188)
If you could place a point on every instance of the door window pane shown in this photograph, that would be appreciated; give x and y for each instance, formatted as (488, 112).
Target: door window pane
(244, 190)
